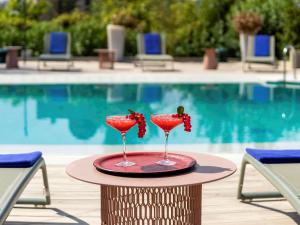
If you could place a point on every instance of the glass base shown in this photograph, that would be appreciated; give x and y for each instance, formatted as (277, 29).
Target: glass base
(125, 163)
(166, 162)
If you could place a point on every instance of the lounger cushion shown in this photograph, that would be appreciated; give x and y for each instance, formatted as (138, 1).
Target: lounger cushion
(23, 160)
(159, 58)
(55, 57)
(152, 44)
(58, 43)
(262, 45)
(275, 156)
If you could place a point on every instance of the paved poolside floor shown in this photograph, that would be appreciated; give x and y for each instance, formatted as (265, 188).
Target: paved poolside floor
(75, 202)
(87, 72)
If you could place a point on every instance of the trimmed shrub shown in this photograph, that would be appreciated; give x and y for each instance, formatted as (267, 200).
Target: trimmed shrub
(291, 27)
(189, 25)
(35, 35)
(87, 35)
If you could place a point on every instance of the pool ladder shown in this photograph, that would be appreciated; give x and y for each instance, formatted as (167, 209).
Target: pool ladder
(286, 50)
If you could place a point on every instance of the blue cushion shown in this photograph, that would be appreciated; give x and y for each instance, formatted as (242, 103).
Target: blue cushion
(23, 160)
(152, 44)
(275, 156)
(262, 45)
(58, 43)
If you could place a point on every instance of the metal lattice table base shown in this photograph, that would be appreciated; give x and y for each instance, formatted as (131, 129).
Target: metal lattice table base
(151, 206)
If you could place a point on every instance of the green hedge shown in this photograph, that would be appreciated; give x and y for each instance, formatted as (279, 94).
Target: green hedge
(189, 25)
(35, 35)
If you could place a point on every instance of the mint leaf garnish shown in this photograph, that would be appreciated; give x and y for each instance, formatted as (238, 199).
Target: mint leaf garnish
(180, 110)
(131, 111)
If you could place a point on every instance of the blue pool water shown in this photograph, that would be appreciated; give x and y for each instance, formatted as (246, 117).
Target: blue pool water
(221, 113)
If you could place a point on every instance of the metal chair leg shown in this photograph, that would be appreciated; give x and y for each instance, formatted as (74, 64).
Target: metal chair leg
(249, 67)
(46, 184)
(252, 195)
(142, 65)
(241, 179)
(71, 64)
(46, 200)
(172, 65)
(68, 66)
(243, 67)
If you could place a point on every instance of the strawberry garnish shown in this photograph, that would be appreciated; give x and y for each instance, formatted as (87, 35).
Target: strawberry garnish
(140, 119)
(185, 118)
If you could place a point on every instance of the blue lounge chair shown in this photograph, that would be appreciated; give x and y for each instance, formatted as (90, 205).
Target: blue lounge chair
(260, 49)
(152, 51)
(57, 47)
(16, 171)
(280, 168)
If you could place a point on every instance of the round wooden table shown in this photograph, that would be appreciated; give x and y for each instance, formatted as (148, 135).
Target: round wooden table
(158, 200)
(106, 58)
(12, 56)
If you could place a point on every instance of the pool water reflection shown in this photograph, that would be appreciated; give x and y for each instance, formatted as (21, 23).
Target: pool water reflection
(221, 113)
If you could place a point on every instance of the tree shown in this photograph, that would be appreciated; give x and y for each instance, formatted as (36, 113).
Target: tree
(27, 8)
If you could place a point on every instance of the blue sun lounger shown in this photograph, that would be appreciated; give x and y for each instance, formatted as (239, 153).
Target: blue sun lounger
(281, 168)
(152, 51)
(16, 171)
(57, 47)
(260, 49)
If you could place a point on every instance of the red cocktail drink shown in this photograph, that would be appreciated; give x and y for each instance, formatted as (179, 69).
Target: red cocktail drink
(122, 124)
(166, 122)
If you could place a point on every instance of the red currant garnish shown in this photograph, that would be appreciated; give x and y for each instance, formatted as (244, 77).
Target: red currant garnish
(187, 122)
(140, 119)
(185, 117)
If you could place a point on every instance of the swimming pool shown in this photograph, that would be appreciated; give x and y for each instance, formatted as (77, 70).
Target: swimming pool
(221, 113)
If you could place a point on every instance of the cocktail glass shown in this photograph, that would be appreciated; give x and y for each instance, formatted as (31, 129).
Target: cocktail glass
(166, 122)
(122, 123)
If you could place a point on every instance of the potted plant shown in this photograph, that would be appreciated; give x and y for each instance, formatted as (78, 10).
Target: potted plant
(212, 29)
(116, 32)
(210, 60)
(246, 23)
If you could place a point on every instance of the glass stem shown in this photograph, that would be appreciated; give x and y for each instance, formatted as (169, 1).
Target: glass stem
(124, 146)
(166, 145)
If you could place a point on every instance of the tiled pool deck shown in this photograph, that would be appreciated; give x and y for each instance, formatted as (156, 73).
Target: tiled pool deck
(78, 203)
(75, 202)
(87, 72)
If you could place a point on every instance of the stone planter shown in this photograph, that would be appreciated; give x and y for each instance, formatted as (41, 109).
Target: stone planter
(116, 40)
(243, 45)
(210, 61)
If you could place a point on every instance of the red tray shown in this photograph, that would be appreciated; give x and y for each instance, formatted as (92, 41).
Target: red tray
(145, 164)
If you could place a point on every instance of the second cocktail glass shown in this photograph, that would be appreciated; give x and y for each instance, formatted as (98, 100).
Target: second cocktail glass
(122, 123)
(166, 122)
